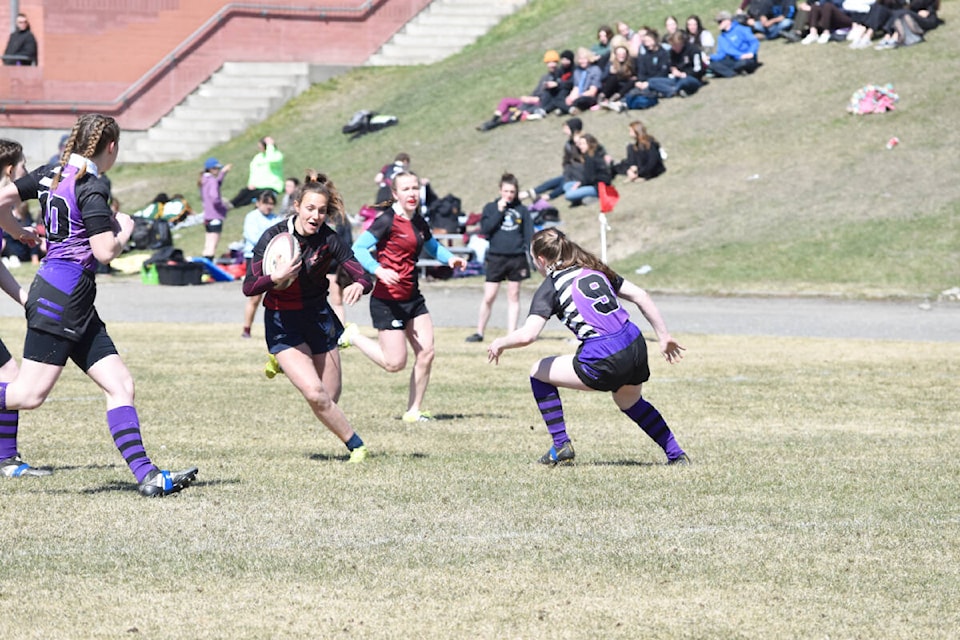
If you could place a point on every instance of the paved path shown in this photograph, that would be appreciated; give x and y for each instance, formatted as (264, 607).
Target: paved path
(126, 300)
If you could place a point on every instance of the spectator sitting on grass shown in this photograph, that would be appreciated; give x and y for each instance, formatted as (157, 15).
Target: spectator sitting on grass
(587, 78)
(737, 49)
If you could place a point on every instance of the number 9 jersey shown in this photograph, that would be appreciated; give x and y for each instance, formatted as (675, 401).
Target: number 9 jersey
(584, 300)
(612, 352)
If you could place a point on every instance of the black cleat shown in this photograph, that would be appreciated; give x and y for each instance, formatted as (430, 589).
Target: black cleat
(554, 457)
(163, 483)
(15, 467)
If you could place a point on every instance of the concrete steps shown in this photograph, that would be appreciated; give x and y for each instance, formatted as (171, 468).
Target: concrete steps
(444, 28)
(238, 95)
(241, 94)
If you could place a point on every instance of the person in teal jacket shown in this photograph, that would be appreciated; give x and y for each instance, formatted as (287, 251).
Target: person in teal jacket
(266, 173)
(737, 49)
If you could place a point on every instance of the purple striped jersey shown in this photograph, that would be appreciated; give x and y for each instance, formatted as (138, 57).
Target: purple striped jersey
(583, 299)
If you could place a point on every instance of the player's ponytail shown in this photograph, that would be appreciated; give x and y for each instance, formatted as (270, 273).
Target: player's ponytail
(560, 252)
(316, 182)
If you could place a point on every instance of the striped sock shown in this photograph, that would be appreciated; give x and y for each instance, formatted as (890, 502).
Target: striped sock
(125, 429)
(548, 401)
(9, 423)
(653, 424)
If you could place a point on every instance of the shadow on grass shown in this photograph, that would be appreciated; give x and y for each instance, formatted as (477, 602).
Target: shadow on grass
(326, 457)
(437, 417)
(131, 487)
(620, 463)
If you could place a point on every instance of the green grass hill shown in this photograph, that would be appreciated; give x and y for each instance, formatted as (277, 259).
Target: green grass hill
(772, 187)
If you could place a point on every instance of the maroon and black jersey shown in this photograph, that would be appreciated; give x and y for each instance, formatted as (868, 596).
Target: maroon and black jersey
(317, 252)
(399, 243)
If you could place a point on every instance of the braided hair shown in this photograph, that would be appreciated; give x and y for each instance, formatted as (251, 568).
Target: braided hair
(316, 182)
(90, 136)
(552, 245)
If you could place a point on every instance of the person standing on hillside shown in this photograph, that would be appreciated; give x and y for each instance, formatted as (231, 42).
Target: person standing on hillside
(507, 225)
(22, 46)
(266, 172)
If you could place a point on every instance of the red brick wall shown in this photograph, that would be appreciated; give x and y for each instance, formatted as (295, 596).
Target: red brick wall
(92, 51)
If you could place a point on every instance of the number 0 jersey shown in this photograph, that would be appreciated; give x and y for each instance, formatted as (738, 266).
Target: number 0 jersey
(75, 211)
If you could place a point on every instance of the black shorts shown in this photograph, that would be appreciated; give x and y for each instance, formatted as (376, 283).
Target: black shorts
(626, 366)
(213, 226)
(395, 314)
(501, 267)
(318, 328)
(94, 345)
(61, 300)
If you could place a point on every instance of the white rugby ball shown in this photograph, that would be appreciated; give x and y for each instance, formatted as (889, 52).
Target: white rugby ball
(283, 248)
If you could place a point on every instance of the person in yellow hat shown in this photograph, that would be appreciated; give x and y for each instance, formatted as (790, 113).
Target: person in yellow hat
(548, 95)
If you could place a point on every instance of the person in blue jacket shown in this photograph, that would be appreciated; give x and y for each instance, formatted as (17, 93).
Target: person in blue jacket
(737, 49)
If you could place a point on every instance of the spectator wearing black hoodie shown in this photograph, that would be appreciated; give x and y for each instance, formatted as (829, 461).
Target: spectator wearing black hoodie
(686, 69)
(22, 46)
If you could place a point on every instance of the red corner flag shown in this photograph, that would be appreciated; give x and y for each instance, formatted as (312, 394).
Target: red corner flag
(608, 197)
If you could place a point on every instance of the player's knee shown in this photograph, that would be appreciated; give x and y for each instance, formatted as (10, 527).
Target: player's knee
(393, 366)
(319, 398)
(426, 355)
(31, 400)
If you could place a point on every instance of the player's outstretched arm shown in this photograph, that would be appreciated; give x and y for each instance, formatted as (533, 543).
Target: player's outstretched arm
(672, 350)
(520, 337)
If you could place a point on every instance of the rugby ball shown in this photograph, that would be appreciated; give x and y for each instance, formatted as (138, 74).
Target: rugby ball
(282, 249)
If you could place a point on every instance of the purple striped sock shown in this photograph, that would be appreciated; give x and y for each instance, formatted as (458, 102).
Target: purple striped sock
(548, 401)
(653, 424)
(125, 429)
(9, 423)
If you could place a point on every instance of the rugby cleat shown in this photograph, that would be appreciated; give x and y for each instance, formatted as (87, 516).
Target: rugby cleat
(272, 368)
(358, 455)
(417, 416)
(162, 483)
(563, 456)
(15, 467)
(681, 460)
(350, 332)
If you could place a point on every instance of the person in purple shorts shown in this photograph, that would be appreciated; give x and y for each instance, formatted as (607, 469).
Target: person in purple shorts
(62, 321)
(585, 295)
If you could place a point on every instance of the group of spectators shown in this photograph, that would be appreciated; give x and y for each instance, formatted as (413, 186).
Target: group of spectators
(634, 69)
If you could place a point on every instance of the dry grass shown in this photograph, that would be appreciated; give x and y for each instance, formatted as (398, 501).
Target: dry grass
(823, 501)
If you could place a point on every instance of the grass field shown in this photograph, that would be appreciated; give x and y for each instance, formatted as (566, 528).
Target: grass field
(822, 502)
(771, 186)
(823, 498)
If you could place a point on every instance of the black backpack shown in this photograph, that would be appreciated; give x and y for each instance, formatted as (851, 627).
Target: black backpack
(150, 233)
(444, 213)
